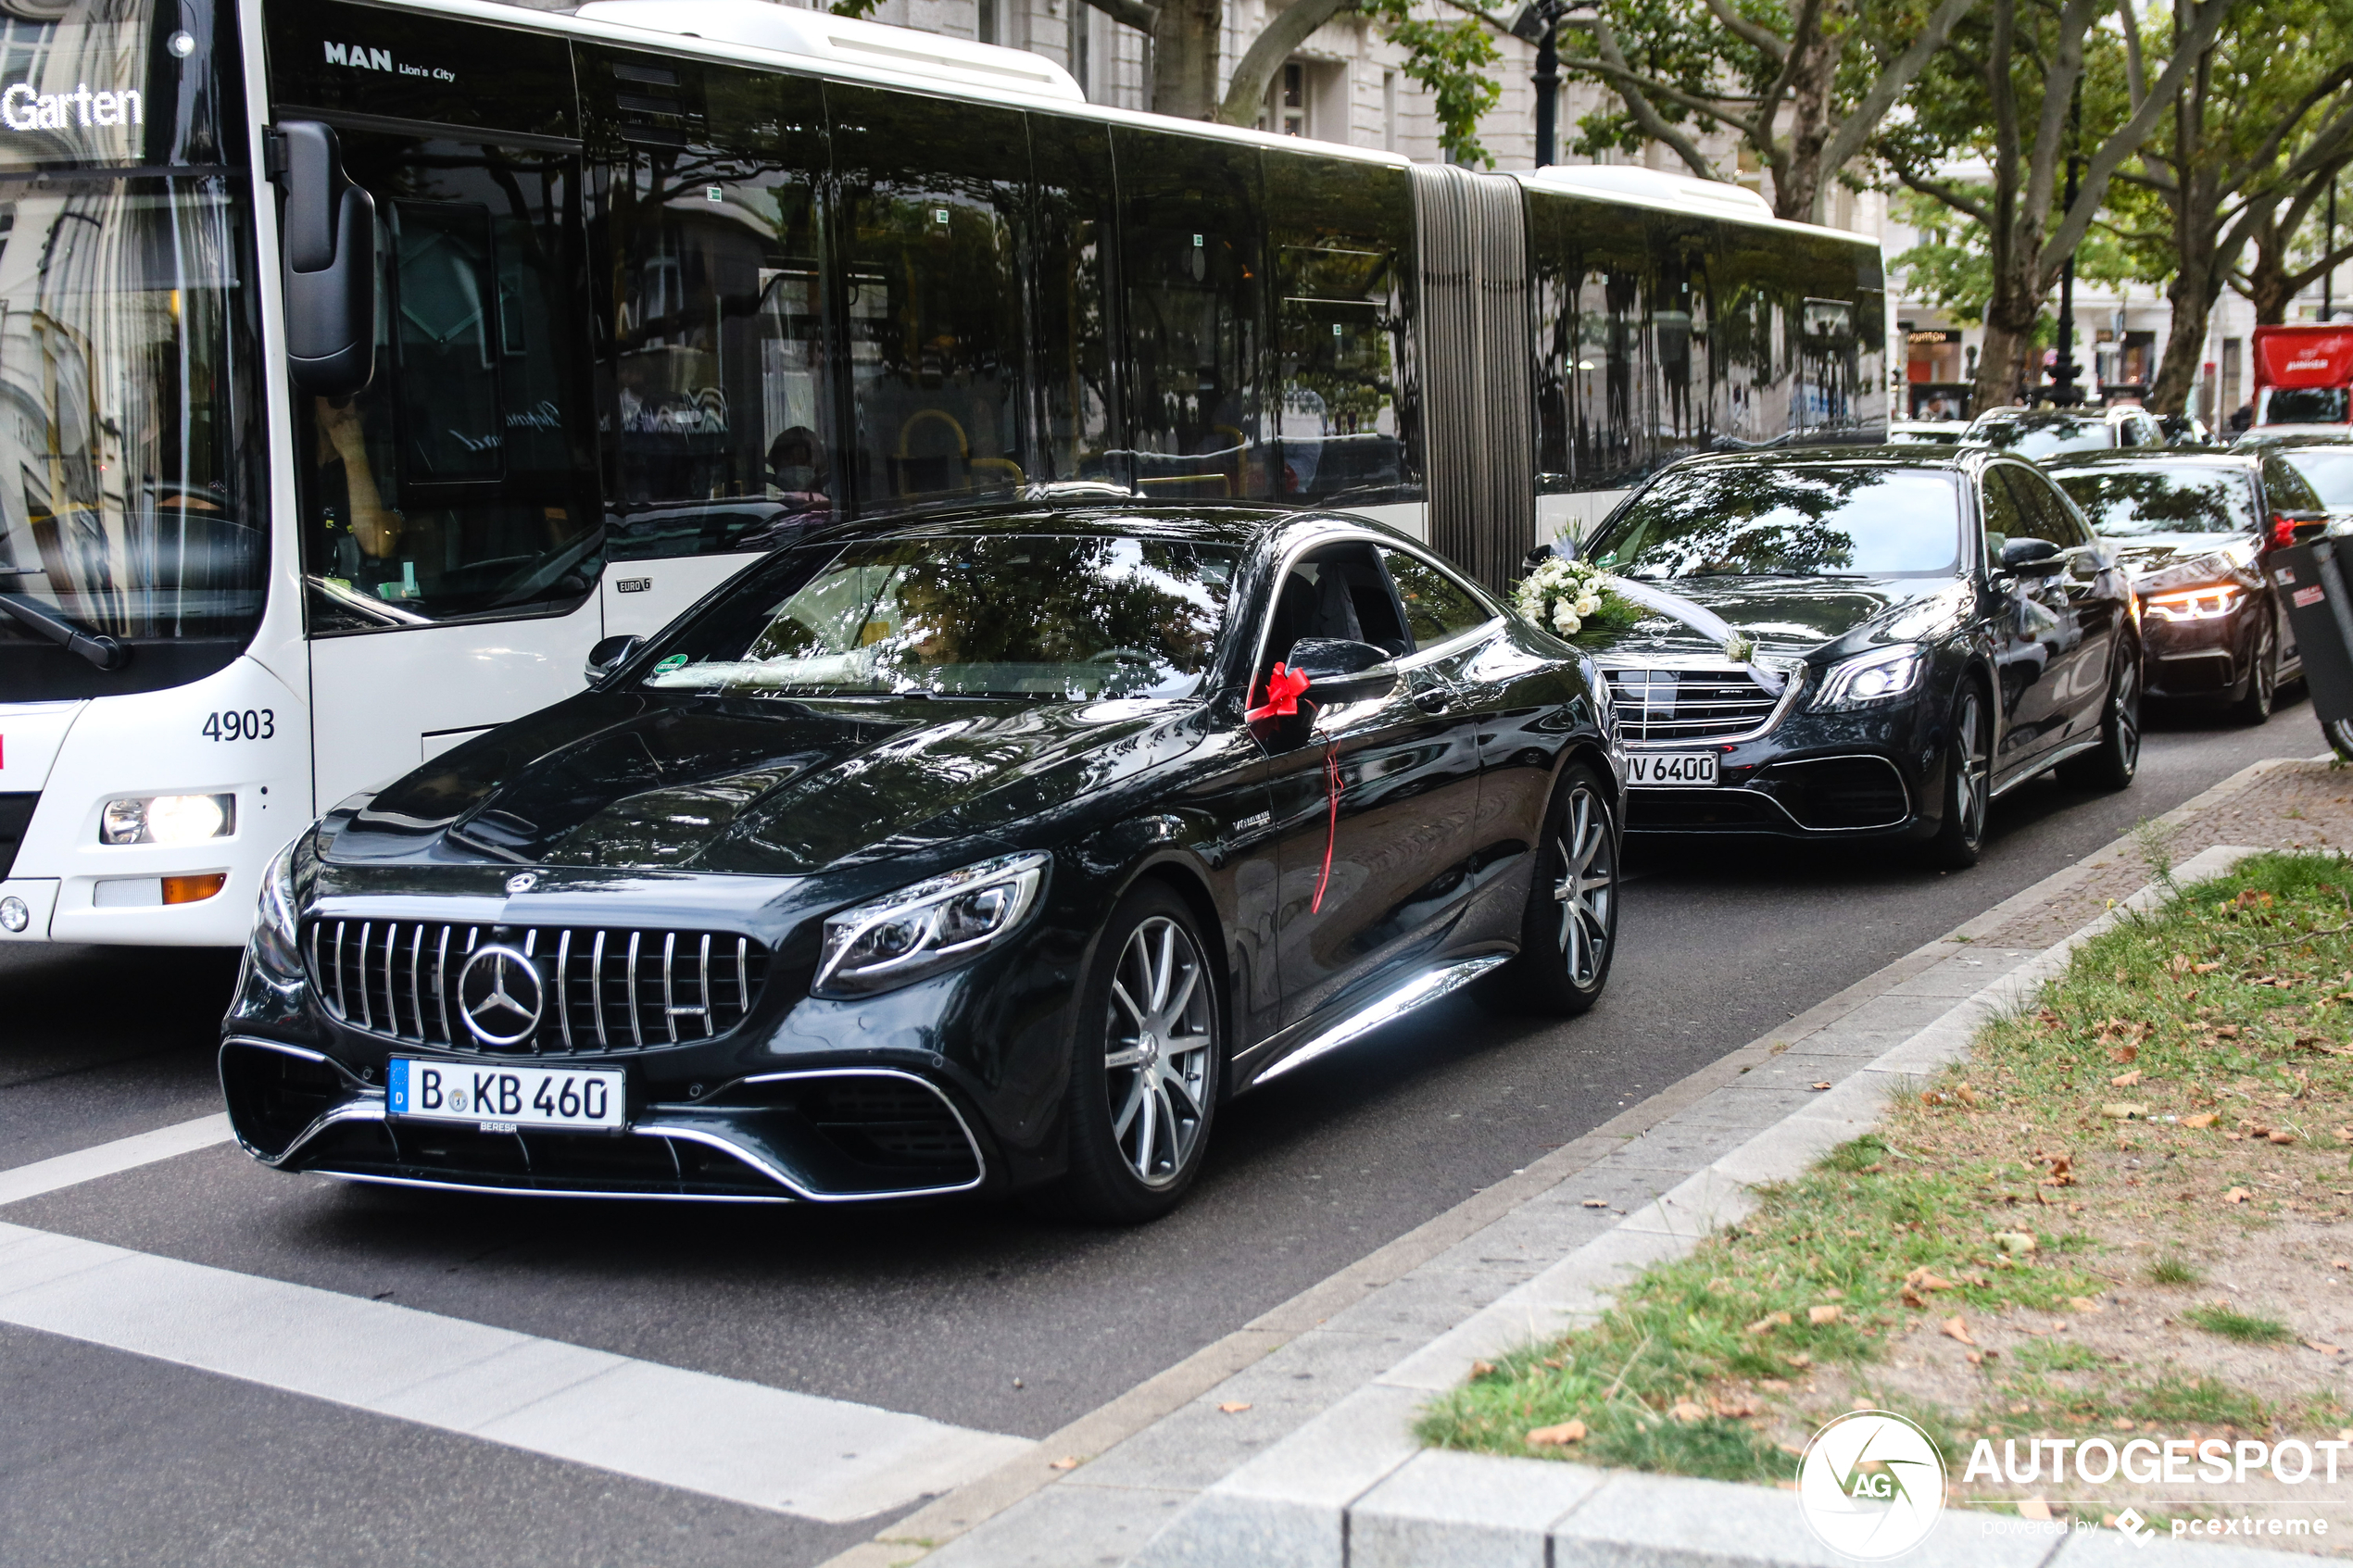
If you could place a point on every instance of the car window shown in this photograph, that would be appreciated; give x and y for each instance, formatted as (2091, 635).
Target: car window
(2163, 498)
(2057, 524)
(1437, 607)
(2005, 519)
(2287, 490)
(2128, 433)
(2329, 470)
(1810, 520)
(1337, 592)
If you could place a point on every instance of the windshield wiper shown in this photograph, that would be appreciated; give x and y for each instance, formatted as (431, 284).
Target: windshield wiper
(96, 647)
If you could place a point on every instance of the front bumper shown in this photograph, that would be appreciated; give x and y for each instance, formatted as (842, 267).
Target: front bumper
(1874, 773)
(821, 1136)
(2199, 658)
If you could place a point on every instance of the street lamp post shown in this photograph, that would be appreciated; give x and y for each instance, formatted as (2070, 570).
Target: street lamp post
(1539, 22)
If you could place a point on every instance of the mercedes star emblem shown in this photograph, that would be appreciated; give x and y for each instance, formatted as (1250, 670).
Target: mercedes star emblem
(522, 881)
(499, 994)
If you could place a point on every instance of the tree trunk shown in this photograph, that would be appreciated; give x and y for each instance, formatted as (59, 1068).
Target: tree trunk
(2197, 284)
(1185, 58)
(2004, 362)
(1801, 186)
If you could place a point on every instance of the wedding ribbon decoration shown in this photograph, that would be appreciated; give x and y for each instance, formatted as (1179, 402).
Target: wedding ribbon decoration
(1740, 649)
(1284, 688)
(1331, 824)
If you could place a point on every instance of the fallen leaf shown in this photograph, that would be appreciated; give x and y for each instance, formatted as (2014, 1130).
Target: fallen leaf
(1068, 1462)
(1967, 1094)
(1821, 1085)
(1235, 1407)
(1976, 1358)
(1913, 1299)
(2125, 1080)
(1687, 1413)
(2124, 1055)
(1732, 1408)
(2014, 1242)
(2033, 1508)
(2085, 1304)
(2203, 1118)
(1955, 1329)
(1925, 1278)
(2283, 1138)
(2237, 1195)
(1597, 1203)
(1820, 1315)
(2204, 968)
(2121, 1423)
(1802, 1360)
(1768, 1322)
(1773, 1385)
(2324, 1348)
(1482, 1369)
(2341, 1263)
(1567, 1432)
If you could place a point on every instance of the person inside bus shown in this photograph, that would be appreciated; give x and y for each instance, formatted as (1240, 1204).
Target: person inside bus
(361, 531)
(798, 472)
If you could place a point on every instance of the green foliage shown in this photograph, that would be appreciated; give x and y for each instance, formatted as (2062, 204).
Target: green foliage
(2221, 1318)
(1455, 61)
(2175, 1268)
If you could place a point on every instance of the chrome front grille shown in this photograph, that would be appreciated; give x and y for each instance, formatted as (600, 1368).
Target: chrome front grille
(603, 989)
(1668, 706)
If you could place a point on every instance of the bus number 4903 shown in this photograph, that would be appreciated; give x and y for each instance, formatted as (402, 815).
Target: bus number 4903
(250, 724)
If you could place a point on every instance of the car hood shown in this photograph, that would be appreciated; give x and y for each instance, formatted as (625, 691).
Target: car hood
(1790, 617)
(698, 784)
(2163, 560)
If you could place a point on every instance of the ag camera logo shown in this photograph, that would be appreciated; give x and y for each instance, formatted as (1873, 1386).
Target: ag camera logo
(1870, 1486)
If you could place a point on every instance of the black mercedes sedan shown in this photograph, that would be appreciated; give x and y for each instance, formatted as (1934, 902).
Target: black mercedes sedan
(2195, 529)
(986, 853)
(1880, 641)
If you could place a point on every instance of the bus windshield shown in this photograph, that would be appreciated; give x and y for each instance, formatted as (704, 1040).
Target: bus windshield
(127, 454)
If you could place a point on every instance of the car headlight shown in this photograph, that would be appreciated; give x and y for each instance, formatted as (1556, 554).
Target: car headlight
(276, 944)
(168, 819)
(2209, 603)
(1872, 677)
(921, 930)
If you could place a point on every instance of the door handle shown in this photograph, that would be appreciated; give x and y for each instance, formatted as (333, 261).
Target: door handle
(1438, 699)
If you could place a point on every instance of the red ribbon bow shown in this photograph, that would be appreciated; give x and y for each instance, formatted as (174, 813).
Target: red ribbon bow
(1285, 686)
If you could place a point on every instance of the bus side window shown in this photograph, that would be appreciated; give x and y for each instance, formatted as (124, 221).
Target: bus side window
(1593, 274)
(932, 195)
(1755, 333)
(720, 404)
(1070, 314)
(1343, 236)
(1681, 332)
(1194, 287)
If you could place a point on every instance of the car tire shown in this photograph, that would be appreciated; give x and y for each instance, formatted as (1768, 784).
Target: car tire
(1568, 933)
(1138, 1109)
(2340, 735)
(1968, 780)
(2115, 760)
(2254, 707)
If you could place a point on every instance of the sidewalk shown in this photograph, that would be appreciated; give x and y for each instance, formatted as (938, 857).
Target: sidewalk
(1291, 1442)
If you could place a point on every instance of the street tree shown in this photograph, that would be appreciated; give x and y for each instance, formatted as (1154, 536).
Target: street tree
(1802, 87)
(2003, 94)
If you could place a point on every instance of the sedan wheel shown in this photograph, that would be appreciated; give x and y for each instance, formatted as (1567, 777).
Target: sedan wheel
(1149, 1052)
(2117, 758)
(1569, 933)
(2262, 675)
(1968, 780)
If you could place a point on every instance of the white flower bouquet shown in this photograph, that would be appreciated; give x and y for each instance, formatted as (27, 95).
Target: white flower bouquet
(1567, 597)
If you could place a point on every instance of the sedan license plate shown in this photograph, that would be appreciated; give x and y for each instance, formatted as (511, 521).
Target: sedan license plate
(502, 1098)
(1670, 770)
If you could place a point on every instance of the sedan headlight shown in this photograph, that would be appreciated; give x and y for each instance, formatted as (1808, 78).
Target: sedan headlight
(276, 944)
(1872, 677)
(921, 930)
(2209, 603)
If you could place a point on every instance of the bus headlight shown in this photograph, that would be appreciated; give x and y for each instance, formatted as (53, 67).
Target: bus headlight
(276, 944)
(924, 928)
(168, 819)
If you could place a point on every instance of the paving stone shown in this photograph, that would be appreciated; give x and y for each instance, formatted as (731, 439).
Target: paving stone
(1063, 1527)
(1637, 1521)
(1424, 1303)
(1465, 1510)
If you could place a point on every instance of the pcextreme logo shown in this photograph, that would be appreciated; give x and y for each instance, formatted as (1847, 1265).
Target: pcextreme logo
(1870, 1486)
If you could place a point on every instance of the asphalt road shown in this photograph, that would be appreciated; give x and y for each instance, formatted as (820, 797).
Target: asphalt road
(985, 1317)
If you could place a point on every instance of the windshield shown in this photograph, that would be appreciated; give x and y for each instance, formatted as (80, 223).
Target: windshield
(1739, 521)
(130, 449)
(1073, 617)
(2042, 437)
(2303, 406)
(2163, 500)
(2329, 470)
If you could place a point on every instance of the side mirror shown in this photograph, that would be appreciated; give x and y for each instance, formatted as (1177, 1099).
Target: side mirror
(2032, 557)
(329, 240)
(608, 655)
(1341, 671)
(2297, 528)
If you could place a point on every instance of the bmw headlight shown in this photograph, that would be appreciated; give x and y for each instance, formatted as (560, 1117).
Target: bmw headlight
(921, 930)
(276, 944)
(1871, 678)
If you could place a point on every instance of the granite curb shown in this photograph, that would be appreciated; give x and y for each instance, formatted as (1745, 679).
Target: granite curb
(1386, 1328)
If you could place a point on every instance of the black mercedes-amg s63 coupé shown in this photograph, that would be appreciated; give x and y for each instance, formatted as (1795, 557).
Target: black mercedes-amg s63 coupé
(982, 854)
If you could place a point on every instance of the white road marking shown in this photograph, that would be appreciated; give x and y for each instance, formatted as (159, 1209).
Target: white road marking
(797, 1453)
(111, 1159)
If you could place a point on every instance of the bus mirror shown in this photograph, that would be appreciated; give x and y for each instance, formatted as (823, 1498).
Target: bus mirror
(330, 243)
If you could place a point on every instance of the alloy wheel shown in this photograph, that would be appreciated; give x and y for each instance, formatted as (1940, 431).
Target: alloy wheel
(1586, 886)
(2127, 715)
(1156, 1057)
(1972, 784)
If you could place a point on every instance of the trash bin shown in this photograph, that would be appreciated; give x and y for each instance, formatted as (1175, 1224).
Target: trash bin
(2316, 578)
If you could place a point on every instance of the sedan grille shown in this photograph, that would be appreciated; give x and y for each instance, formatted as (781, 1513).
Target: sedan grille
(1680, 704)
(602, 990)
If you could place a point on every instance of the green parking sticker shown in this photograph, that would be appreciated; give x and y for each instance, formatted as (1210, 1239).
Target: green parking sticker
(673, 662)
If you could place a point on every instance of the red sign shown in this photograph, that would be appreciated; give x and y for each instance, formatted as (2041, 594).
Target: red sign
(2313, 353)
